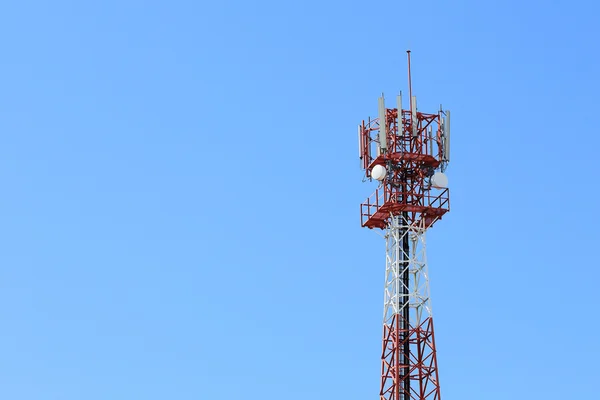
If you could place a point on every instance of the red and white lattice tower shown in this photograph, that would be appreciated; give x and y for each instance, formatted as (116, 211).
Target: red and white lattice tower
(407, 152)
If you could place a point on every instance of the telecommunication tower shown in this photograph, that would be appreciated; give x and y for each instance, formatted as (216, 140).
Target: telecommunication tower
(407, 152)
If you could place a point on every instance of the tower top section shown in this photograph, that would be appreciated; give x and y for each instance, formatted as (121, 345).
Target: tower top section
(407, 152)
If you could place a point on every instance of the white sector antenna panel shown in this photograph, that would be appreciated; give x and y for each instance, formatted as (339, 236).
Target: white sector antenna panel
(413, 106)
(382, 125)
(447, 136)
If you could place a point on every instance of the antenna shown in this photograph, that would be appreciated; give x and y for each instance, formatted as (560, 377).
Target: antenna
(447, 136)
(430, 139)
(382, 125)
(360, 142)
(399, 101)
(409, 79)
(413, 108)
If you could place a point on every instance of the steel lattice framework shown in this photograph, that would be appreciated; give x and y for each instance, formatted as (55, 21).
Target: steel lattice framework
(407, 152)
(409, 363)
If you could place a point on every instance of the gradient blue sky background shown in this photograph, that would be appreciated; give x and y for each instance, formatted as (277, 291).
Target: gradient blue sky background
(179, 217)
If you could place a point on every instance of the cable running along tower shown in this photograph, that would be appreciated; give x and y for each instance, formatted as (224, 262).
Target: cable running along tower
(406, 152)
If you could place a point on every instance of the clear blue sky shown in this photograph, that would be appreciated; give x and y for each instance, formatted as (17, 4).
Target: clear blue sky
(179, 217)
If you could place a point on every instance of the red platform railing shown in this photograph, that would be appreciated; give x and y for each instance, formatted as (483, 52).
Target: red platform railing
(382, 204)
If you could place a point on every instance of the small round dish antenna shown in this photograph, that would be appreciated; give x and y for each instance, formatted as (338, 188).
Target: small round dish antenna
(378, 172)
(439, 180)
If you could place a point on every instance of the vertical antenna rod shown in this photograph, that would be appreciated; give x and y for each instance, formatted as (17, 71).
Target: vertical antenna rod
(409, 82)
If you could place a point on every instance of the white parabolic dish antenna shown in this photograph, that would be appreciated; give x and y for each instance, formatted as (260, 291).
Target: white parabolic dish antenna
(439, 180)
(378, 172)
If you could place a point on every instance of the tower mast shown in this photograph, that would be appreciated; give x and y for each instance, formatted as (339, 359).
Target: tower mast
(400, 151)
